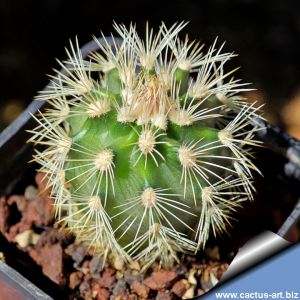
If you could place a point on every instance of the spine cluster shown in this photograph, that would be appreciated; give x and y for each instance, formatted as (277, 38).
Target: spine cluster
(147, 144)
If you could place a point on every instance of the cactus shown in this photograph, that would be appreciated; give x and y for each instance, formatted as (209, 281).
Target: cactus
(147, 144)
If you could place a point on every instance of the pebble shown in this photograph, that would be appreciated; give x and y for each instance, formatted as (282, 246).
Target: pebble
(77, 252)
(191, 277)
(180, 287)
(31, 193)
(40, 211)
(213, 279)
(118, 263)
(200, 292)
(85, 268)
(206, 283)
(108, 278)
(166, 295)
(120, 288)
(119, 274)
(99, 292)
(160, 280)
(189, 293)
(129, 277)
(140, 289)
(103, 294)
(85, 291)
(181, 270)
(96, 266)
(27, 237)
(50, 258)
(75, 279)
(135, 265)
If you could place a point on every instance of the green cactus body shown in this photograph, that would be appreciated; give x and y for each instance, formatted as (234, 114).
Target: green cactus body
(146, 148)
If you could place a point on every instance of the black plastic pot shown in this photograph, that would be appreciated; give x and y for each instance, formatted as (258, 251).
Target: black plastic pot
(15, 153)
(282, 154)
(15, 286)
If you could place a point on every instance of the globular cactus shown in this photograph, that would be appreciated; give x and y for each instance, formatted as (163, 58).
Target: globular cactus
(146, 144)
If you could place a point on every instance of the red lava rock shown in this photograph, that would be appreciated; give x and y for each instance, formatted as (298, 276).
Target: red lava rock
(101, 293)
(140, 289)
(108, 278)
(37, 212)
(52, 262)
(75, 279)
(4, 216)
(179, 288)
(40, 211)
(20, 201)
(160, 279)
(33, 254)
(41, 181)
(164, 296)
(50, 258)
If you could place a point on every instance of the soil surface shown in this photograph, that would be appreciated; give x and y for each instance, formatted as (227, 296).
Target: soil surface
(27, 221)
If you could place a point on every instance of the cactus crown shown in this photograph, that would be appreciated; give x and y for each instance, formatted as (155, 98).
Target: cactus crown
(146, 144)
